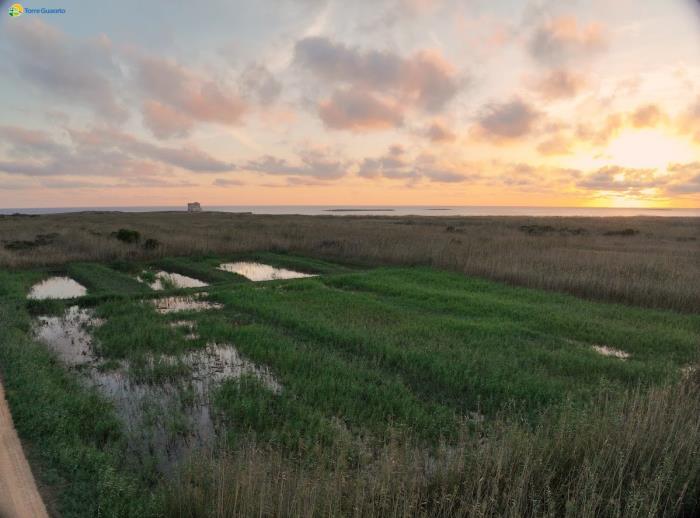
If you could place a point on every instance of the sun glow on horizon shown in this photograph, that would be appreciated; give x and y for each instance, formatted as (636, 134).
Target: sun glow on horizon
(621, 201)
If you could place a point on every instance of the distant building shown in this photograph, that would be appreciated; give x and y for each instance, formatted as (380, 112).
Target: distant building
(194, 207)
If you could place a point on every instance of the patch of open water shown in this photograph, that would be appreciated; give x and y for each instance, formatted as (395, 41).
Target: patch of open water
(57, 288)
(164, 279)
(164, 421)
(261, 272)
(185, 303)
(610, 351)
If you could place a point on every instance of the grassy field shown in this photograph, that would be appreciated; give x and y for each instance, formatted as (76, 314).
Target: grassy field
(398, 391)
(642, 261)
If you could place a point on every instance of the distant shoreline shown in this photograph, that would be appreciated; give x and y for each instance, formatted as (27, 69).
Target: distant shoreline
(387, 211)
(361, 210)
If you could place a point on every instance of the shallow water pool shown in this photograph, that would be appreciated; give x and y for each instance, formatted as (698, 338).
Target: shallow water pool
(261, 272)
(57, 288)
(164, 279)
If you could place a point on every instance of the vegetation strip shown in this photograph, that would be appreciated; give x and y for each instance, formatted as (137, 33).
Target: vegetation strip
(409, 386)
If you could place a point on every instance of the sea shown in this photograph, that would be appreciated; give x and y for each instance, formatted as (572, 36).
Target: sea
(386, 210)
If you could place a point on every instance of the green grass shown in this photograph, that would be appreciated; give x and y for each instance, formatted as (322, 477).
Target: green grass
(74, 435)
(362, 357)
(206, 269)
(133, 328)
(202, 268)
(478, 347)
(101, 280)
(297, 263)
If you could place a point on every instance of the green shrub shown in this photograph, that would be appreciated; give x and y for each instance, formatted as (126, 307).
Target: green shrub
(127, 236)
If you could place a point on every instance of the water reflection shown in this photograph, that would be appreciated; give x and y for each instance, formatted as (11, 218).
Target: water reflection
(163, 421)
(609, 351)
(68, 335)
(261, 272)
(57, 288)
(189, 303)
(164, 280)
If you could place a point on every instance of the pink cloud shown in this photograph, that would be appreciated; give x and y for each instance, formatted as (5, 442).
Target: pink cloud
(563, 39)
(359, 110)
(647, 116)
(164, 121)
(559, 84)
(507, 121)
(79, 71)
(439, 131)
(184, 94)
(556, 145)
(375, 88)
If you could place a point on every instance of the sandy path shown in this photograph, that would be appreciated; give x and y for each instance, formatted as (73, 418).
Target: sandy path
(19, 497)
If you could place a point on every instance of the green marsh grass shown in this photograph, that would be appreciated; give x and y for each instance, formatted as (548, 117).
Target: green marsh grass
(405, 392)
(655, 267)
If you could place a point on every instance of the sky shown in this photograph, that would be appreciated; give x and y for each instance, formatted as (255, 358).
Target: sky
(369, 102)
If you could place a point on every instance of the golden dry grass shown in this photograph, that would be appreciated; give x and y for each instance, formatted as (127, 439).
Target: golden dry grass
(632, 457)
(657, 266)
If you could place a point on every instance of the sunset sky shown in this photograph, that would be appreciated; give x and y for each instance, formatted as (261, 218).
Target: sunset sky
(313, 102)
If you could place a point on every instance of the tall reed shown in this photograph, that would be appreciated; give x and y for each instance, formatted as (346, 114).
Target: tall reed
(637, 455)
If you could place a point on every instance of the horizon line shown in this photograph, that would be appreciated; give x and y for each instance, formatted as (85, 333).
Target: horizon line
(204, 205)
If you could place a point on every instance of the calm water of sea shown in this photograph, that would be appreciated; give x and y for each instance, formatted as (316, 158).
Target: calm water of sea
(435, 210)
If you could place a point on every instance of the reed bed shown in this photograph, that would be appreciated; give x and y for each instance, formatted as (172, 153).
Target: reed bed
(633, 456)
(650, 262)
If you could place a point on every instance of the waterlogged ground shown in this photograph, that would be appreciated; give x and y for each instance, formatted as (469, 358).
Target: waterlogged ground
(56, 288)
(261, 272)
(166, 419)
(337, 353)
(163, 280)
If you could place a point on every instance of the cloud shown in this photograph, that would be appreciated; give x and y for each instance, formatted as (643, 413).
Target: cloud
(23, 142)
(377, 82)
(619, 179)
(396, 165)
(444, 175)
(8, 184)
(185, 157)
(531, 178)
(226, 182)
(336, 62)
(359, 110)
(165, 122)
(313, 163)
(103, 152)
(689, 181)
(184, 95)
(647, 116)
(80, 71)
(601, 135)
(563, 40)
(58, 183)
(509, 120)
(257, 81)
(392, 165)
(689, 186)
(560, 84)
(680, 179)
(689, 122)
(519, 175)
(73, 184)
(555, 145)
(429, 80)
(438, 131)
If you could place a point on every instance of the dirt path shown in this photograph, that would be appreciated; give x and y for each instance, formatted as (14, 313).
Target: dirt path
(19, 497)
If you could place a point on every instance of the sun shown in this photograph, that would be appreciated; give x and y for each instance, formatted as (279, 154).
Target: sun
(648, 149)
